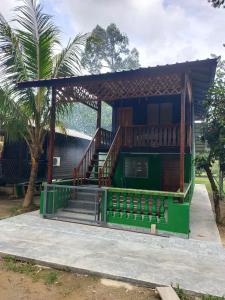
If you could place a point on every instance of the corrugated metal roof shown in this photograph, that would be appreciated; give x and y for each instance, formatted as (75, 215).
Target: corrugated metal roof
(73, 133)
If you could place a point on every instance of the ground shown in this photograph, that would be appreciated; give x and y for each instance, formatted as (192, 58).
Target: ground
(34, 283)
(20, 280)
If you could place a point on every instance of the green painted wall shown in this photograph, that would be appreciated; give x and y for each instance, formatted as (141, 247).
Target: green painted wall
(154, 180)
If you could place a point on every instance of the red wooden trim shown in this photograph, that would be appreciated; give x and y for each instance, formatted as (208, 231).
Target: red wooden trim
(51, 137)
(99, 112)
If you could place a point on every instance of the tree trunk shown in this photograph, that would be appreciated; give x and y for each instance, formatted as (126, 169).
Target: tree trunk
(216, 195)
(28, 200)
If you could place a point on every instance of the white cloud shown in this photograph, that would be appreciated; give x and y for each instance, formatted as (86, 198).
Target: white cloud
(164, 31)
(6, 7)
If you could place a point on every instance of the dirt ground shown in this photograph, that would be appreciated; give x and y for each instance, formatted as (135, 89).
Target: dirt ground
(17, 286)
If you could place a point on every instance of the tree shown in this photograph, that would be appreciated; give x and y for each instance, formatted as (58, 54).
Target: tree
(217, 3)
(28, 52)
(83, 118)
(108, 49)
(214, 134)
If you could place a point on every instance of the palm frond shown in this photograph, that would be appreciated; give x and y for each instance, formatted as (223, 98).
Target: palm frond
(11, 57)
(12, 120)
(38, 37)
(67, 63)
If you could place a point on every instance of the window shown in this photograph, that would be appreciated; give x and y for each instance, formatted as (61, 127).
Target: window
(160, 113)
(136, 167)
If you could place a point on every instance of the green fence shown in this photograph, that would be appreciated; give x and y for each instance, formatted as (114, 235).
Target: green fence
(142, 208)
(169, 211)
(54, 198)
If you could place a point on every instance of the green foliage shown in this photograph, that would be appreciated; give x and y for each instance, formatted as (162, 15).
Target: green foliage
(208, 297)
(50, 277)
(83, 118)
(28, 53)
(108, 48)
(217, 3)
(11, 264)
(181, 294)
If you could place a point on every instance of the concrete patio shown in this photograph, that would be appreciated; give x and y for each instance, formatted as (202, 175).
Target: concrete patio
(196, 265)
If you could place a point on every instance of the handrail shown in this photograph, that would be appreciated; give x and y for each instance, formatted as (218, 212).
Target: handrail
(106, 170)
(81, 169)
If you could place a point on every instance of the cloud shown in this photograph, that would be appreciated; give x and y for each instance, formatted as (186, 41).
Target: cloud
(6, 8)
(164, 31)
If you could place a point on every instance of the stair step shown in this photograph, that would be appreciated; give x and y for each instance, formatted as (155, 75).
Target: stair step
(75, 217)
(80, 211)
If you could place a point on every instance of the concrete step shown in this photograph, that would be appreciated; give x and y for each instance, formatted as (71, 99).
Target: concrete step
(83, 195)
(80, 211)
(82, 204)
(74, 217)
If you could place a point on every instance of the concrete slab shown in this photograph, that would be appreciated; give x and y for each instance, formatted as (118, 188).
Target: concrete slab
(197, 266)
(202, 221)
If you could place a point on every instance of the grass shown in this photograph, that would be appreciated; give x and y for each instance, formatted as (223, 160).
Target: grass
(183, 296)
(37, 273)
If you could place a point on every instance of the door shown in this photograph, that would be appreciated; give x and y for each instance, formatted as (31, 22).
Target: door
(124, 116)
(125, 119)
(171, 173)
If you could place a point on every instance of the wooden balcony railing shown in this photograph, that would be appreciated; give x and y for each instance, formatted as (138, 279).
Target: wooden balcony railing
(153, 136)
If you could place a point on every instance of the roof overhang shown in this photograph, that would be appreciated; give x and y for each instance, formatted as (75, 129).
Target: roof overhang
(143, 82)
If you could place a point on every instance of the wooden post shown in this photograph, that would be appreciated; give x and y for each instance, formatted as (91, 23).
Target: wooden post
(51, 136)
(182, 139)
(99, 112)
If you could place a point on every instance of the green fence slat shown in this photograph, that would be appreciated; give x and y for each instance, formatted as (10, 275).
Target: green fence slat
(118, 205)
(138, 215)
(124, 214)
(162, 210)
(154, 218)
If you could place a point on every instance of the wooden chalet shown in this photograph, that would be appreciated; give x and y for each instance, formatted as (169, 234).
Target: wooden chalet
(146, 162)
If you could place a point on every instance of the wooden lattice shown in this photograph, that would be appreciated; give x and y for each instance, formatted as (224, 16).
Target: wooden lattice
(108, 90)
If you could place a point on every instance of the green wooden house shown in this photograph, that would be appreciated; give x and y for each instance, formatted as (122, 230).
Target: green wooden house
(144, 167)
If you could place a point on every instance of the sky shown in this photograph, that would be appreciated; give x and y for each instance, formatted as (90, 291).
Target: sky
(163, 31)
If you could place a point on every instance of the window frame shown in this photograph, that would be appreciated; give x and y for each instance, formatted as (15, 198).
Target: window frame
(145, 159)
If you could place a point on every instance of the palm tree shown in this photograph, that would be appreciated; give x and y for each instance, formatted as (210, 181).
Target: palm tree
(28, 51)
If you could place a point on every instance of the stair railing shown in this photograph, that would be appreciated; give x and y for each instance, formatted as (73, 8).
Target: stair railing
(80, 171)
(106, 171)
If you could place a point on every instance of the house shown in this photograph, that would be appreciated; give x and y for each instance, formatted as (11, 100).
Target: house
(145, 165)
(15, 158)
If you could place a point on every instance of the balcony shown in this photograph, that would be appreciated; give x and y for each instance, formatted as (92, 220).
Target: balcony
(158, 136)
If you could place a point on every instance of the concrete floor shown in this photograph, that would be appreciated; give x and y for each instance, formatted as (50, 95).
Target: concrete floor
(197, 266)
(202, 220)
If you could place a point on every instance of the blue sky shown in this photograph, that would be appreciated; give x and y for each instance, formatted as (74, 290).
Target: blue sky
(164, 31)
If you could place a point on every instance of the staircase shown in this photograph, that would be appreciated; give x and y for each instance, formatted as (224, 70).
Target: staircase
(82, 208)
(87, 171)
